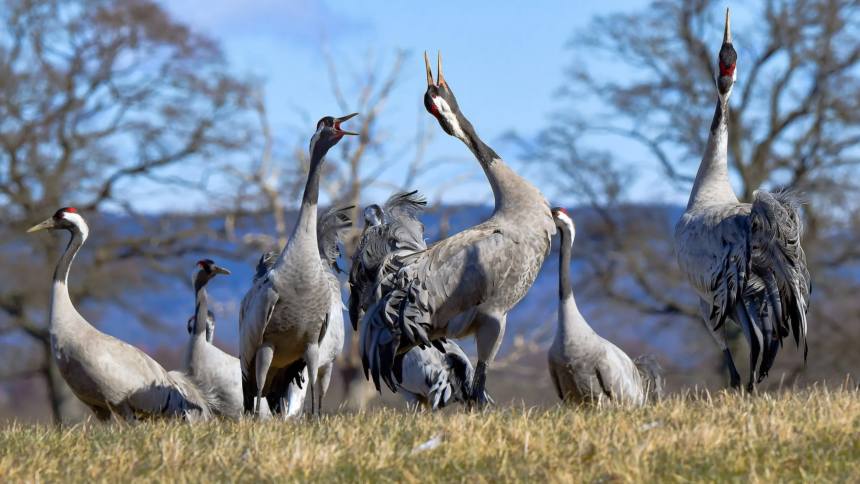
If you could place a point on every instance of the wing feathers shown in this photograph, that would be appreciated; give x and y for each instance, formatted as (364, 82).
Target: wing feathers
(756, 270)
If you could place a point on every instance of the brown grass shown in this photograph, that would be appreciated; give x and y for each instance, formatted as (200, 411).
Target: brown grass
(809, 436)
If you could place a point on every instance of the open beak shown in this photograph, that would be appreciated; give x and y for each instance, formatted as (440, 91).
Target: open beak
(337, 122)
(47, 224)
(429, 70)
(440, 81)
(220, 270)
(727, 34)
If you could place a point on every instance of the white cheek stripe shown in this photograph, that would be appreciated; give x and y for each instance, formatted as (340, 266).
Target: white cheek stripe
(78, 221)
(445, 110)
(570, 225)
(315, 138)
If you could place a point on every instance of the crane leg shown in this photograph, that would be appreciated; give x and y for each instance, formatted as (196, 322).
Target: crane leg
(312, 359)
(264, 361)
(325, 379)
(491, 330)
(722, 340)
(748, 320)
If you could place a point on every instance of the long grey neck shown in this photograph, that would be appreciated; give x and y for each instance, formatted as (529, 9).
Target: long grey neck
(305, 231)
(503, 180)
(61, 302)
(570, 321)
(202, 299)
(712, 180)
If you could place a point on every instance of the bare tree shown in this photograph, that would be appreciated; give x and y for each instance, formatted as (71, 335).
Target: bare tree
(793, 122)
(102, 103)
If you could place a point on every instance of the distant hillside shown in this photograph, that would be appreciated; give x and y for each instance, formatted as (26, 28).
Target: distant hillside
(175, 303)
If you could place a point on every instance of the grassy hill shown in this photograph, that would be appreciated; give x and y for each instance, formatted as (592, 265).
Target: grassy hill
(809, 436)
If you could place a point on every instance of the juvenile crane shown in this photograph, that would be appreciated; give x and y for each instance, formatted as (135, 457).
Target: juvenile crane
(284, 316)
(585, 368)
(332, 222)
(207, 363)
(109, 375)
(744, 260)
(466, 284)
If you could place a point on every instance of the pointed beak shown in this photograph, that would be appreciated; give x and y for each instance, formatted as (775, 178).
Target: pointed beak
(219, 270)
(337, 122)
(727, 34)
(47, 224)
(429, 70)
(440, 81)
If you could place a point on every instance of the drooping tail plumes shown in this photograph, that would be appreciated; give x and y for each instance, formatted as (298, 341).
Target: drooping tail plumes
(379, 239)
(778, 259)
(199, 400)
(383, 265)
(651, 373)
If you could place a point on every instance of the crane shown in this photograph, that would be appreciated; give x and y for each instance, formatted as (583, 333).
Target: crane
(744, 260)
(206, 362)
(106, 374)
(466, 284)
(284, 317)
(585, 368)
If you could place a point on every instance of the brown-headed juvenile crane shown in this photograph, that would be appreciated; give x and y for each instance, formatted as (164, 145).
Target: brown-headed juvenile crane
(109, 375)
(466, 284)
(207, 363)
(585, 368)
(284, 316)
(744, 260)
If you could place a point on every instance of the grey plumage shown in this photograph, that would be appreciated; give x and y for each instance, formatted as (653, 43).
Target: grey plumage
(434, 377)
(378, 239)
(331, 223)
(109, 375)
(745, 261)
(585, 368)
(207, 363)
(284, 316)
(463, 285)
(329, 226)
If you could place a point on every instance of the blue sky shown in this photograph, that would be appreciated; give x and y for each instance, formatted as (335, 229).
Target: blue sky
(504, 60)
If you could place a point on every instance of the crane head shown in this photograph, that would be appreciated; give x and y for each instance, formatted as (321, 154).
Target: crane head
(209, 268)
(439, 101)
(267, 261)
(66, 218)
(210, 325)
(563, 221)
(726, 73)
(328, 132)
(372, 216)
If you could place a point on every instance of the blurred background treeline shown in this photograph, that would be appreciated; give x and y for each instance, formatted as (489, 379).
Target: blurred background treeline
(180, 131)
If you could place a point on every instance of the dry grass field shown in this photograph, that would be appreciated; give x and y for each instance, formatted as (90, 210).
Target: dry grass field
(808, 436)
